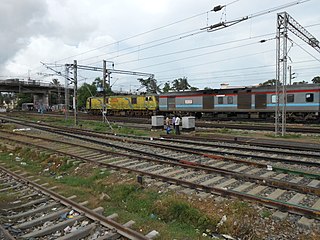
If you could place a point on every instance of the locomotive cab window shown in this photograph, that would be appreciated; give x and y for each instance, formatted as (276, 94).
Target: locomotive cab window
(220, 100)
(273, 98)
(134, 100)
(309, 97)
(150, 99)
(290, 98)
(230, 100)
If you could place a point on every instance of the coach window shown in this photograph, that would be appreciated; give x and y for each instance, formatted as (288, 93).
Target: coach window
(230, 100)
(309, 97)
(290, 98)
(220, 100)
(273, 98)
(134, 100)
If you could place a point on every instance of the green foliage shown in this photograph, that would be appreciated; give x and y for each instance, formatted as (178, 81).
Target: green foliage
(181, 84)
(316, 79)
(265, 214)
(287, 136)
(121, 193)
(1, 99)
(97, 82)
(166, 88)
(174, 209)
(271, 82)
(55, 82)
(80, 181)
(66, 166)
(85, 91)
(297, 83)
(24, 98)
(150, 84)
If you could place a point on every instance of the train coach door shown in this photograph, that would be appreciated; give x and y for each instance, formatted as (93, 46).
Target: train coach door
(208, 102)
(244, 99)
(261, 101)
(171, 101)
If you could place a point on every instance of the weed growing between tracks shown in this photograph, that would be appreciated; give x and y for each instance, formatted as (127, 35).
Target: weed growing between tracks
(175, 216)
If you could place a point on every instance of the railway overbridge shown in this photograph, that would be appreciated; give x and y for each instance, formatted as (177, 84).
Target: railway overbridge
(40, 90)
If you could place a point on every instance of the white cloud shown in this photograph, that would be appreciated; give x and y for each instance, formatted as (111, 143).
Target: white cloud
(52, 30)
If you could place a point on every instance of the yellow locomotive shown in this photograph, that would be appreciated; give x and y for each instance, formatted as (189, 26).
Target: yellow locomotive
(124, 105)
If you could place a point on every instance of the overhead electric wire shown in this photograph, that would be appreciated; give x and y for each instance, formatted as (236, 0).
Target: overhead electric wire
(305, 50)
(198, 55)
(137, 35)
(217, 61)
(190, 33)
(252, 15)
(198, 48)
(249, 16)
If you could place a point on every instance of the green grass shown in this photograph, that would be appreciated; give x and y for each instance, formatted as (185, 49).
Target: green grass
(265, 214)
(173, 209)
(287, 136)
(81, 181)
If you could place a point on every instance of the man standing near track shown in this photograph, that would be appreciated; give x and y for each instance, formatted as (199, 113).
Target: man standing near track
(177, 127)
(173, 122)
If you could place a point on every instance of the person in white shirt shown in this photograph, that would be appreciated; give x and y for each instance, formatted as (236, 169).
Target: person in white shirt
(176, 124)
(173, 122)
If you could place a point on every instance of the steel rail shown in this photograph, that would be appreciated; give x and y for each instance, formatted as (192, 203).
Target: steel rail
(192, 165)
(109, 223)
(245, 141)
(301, 210)
(273, 159)
(6, 234)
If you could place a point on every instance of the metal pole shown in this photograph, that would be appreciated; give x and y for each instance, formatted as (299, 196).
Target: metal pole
(66, 92)
(284, 74)
(277, 103)
(281, 73)
(290, 75)
(109, 80)
(104, 72)
(75, 88)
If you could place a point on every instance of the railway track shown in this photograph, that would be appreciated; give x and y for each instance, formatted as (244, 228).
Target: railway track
(36, 211)
(285, 191)
(200, 124)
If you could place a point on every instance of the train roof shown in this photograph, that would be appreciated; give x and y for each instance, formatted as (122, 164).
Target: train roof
(237, 89)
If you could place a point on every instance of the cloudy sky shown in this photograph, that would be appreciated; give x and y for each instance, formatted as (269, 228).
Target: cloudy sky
(161, 37)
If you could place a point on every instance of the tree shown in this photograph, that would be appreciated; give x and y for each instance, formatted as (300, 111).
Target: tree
(297, 83)
(1, 100)
(271, 82)
(55, 98)
(85, 91)
(207, 88)
(316, 79)
(24, 98)
(98, 83)
(150, 84)
(55, 82)
(166, 88)
(194, 88)
(180, 84)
